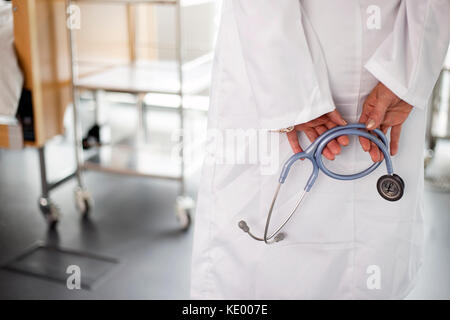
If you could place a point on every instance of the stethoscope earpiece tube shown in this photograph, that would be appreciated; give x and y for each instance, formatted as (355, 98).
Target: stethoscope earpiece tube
(390, 186)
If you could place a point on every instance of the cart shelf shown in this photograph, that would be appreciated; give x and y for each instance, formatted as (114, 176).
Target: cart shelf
(150, 77)
(134, 156)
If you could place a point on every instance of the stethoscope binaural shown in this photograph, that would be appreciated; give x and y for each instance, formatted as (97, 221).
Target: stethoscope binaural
(389, 186)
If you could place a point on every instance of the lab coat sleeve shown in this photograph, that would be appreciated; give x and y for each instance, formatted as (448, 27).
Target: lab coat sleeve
(284, 62)
(409, 60)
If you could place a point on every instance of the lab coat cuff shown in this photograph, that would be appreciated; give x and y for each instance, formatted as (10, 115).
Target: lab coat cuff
(292, 119)
(383, 75)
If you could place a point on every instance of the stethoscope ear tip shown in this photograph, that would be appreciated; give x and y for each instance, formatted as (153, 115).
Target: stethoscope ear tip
(279, 237)
(243, 225)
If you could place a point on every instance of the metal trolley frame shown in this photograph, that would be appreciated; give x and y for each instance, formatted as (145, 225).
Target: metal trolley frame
(184, 204)
(439, 107)
(439, 99)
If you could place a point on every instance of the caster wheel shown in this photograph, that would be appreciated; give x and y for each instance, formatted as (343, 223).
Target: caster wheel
(184, 206)
(279, 237)
(50, 211)
(390, 187)
(432, 144)
(184, 219)
(83, 201)
(429, 154)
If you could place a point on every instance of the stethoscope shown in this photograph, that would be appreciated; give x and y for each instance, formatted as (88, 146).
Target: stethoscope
(389, 186)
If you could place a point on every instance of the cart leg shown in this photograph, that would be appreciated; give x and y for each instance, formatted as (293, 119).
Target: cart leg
(77, 142)
(97, 98)
(83, 200)
(184, 204)
(433, 108)
(50, 211)
(92, 138)
(82, 197)
(142, 119)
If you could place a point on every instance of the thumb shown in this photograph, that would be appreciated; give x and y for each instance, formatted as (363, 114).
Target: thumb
(336, 117)
(376, 114)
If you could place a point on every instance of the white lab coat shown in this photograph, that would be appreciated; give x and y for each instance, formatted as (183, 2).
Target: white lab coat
(280, 63)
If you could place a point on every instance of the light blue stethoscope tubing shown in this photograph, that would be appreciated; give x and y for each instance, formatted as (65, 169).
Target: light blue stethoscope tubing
(314, 154)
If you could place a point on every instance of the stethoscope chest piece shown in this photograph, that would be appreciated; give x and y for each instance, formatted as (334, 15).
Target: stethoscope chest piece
(391, 187)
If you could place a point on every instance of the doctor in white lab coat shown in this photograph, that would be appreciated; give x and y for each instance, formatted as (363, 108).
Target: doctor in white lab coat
(312, 65)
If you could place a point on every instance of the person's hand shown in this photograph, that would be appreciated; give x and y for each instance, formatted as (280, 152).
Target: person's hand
(383, 109)
(316, 127)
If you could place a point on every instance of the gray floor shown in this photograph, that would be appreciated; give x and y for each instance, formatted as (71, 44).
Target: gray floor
(133, 221)
(137, 226)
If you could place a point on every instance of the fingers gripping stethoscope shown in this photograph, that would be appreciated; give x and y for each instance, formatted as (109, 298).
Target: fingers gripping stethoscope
(389, 186)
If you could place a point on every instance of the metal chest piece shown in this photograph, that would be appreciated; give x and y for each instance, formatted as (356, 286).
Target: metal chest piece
(391, 187)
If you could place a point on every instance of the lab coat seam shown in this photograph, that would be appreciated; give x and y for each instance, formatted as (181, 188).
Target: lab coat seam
(215, 101)
(208, 276)
(210, 233)
(416, 256)
(255, 292)
(357, 104)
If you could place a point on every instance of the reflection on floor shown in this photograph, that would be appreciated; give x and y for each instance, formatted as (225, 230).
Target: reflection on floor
(134, 221)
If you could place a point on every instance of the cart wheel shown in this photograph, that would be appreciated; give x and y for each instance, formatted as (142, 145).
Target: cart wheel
(429, 154)
(184, 219)
(432, 144)
(184, 206)
(390, 187)
(83, 201)
(50, 211)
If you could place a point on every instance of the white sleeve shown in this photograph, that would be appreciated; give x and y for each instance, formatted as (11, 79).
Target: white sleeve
(410, 59)
(284, 62)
